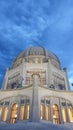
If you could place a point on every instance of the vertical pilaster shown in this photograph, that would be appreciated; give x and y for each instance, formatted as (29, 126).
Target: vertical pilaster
(60, 111)
(44, 109)
(66, 80)
(49, 74)
(51, 109)
(68, 119)
(23, 74)
(35, 102)
(9, 113)
(4, 85)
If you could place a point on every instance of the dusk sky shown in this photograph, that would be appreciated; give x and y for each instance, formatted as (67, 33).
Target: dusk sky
(25, 23)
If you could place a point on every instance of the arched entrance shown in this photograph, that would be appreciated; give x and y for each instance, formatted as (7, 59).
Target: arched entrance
(0, 111)
(56, 118)
(64, 114)
(14, 113)
(70, 110)
(5, 113)
(21, 112)
(47, 112)
(27, 112)
(42, 111)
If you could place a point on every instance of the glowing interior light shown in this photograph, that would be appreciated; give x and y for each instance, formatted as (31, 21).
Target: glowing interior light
(16, 105)
(15, 116)
(54, 116)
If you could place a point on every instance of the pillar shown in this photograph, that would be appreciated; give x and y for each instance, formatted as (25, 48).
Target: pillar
(44, 109)
(4, 85)
(66, 80)
(68, 118)
(51, 109)
(60, 111)
(35, 107)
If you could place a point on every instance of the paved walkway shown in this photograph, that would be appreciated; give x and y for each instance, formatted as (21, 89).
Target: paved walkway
(35, 126)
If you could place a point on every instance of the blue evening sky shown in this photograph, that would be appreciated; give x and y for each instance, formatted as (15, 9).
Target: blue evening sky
(24, 23)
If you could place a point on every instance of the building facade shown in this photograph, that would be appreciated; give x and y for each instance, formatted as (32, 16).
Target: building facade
(36, 89)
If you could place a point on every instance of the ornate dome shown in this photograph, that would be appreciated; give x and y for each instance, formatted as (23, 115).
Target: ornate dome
(36, 52)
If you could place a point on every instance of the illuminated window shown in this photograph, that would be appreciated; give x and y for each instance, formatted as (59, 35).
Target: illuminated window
(21, 112)
(27, 111)
(36, 60)
(47, 112)
(70, 114)
(42, 112)
(0, 111)
(5, 113)
(64, 114)
(14, 113)
(56, 114)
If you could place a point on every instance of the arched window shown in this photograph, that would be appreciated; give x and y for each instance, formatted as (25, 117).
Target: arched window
(5, 113)
(47, 112)
(70, 114)
(14, 113)
(27, 111)
(64, 114)
(56, 118)
(42, 112)
(0, 111)
(21, 112)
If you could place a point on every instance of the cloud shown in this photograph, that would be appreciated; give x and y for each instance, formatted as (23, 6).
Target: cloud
(40, 22)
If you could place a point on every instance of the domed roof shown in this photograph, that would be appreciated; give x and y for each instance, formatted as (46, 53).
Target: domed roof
(37, 51)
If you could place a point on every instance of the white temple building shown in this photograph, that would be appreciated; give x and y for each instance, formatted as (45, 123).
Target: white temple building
(36, 89)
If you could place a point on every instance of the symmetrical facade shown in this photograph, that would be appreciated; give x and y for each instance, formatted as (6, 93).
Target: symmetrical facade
(35, 89)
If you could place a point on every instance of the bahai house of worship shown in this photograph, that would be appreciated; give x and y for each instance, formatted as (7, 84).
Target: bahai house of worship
(36, 89)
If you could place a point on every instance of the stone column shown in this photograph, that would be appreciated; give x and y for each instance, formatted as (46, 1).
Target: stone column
(35, 107)
(49, 74)
(44, 109)
(25, 110)
(9, 113)
(23, 74)
(68, 118)
(60, 111)
(66, 79)
(51, 109)
(4, 85)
